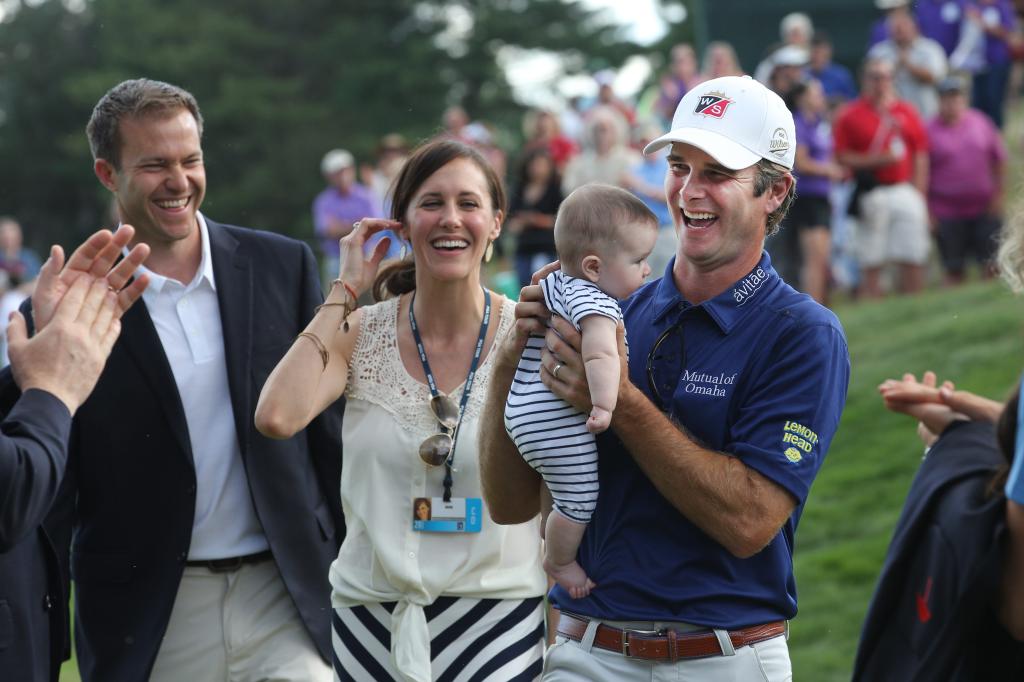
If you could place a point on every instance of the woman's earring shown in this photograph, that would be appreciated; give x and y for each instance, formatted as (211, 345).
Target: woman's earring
(404, 251)
(489, 251)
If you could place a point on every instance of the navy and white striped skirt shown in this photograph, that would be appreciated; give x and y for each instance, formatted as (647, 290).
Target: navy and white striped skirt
(471, 640)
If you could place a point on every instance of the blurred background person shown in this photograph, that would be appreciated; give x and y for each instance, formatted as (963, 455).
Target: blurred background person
(882, 141)
(836, 80)
(787, 69)
(816, 169)
(998, 24)
(606, 97)
(392, 150)
(646, 179)
(19, 263)
(683, 73)
(543, 131)
(606, 157)
(795, 29)
(531, 212)
(919, 62)
(339, 206)
(720, 60)
(940, 20)
(967, 161)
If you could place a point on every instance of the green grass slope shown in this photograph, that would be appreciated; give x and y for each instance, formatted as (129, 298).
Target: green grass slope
(971, 335)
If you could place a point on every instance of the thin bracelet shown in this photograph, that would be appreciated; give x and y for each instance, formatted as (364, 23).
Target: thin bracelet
(325, 356)
(355, 302)
(348, 288)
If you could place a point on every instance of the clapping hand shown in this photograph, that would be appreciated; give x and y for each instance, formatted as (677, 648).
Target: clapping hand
(95, 258)
(936, 406)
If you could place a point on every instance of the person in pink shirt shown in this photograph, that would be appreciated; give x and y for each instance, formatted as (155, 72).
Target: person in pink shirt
(965, 189)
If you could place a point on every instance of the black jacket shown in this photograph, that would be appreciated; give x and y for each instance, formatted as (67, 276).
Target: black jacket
(33, 455)
(931, 617)
(129, 490)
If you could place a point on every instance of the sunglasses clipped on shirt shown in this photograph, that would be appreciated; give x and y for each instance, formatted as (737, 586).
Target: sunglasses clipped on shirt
(662, 378)
(437, 449)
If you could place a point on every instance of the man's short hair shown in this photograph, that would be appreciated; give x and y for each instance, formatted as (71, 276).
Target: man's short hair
(129, 99)
(591, 216)
(766, 174)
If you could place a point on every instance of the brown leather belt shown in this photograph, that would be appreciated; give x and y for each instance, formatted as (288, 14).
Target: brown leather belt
(231, 563)
(664, 644)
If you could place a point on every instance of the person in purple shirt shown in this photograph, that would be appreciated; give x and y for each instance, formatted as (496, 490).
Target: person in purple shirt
(339, 206)
(939, 20)
(811, 214)
(998, 22)
(965, 189)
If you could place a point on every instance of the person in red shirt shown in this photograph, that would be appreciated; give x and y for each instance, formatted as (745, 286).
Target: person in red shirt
(883, 141)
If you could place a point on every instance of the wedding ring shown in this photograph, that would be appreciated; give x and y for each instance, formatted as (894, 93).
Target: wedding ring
(554, 372)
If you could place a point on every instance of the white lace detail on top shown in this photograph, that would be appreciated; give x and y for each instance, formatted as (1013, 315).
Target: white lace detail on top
(376, 373)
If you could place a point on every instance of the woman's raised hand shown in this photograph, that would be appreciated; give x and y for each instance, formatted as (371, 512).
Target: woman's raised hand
(357, 269)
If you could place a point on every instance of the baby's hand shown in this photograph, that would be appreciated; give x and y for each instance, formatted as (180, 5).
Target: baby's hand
(600, 419)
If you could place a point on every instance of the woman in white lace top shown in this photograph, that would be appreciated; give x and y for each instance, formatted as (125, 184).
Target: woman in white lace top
(414, 598)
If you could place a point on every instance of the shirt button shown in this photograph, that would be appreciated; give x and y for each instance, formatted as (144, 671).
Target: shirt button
(47, 603)
(412, 555)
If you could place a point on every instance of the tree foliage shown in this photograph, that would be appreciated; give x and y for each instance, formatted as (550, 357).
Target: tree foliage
(279, 84)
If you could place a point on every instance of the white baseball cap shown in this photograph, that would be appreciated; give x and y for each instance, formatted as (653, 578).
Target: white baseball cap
(335, 160)
(736, 120)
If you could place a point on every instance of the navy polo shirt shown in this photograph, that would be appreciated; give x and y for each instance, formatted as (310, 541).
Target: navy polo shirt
(759, 372)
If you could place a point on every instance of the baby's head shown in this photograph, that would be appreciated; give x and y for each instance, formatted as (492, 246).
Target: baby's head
(604, 234)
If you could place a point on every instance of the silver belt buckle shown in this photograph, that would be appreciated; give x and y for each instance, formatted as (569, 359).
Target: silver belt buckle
(626, 634)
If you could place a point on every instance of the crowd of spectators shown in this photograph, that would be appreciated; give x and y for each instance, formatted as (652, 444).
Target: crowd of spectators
(904, 156)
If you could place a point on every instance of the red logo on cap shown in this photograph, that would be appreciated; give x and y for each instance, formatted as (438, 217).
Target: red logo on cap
(712, 104)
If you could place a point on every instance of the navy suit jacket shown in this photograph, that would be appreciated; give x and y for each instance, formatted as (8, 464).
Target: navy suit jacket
(129, 492)
(33, 454)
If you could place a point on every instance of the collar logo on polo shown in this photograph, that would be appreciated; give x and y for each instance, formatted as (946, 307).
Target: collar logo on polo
(749, 285)
(712, 104)
(779, 143)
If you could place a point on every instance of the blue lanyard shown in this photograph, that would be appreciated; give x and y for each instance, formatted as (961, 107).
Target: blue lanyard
(469, 377)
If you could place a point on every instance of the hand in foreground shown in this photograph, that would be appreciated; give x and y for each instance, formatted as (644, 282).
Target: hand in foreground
(67, 357)
(95, 258)
(922, 401)
(357, 269)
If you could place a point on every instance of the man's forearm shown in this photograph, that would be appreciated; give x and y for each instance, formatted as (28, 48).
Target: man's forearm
(736, 506)
(511, 487)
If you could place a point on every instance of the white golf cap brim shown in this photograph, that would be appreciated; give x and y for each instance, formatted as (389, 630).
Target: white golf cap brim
(725, 151)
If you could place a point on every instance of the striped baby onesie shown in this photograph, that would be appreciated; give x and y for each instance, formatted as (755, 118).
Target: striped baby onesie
(550, 433)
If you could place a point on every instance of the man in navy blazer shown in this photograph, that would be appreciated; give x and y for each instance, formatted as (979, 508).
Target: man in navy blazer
(55, 370)
(200, 548)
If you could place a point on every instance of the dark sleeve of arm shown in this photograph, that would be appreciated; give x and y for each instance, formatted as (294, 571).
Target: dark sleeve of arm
(323, 433)
(33, 454)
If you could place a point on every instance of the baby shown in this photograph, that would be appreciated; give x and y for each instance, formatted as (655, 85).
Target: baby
(603, 235)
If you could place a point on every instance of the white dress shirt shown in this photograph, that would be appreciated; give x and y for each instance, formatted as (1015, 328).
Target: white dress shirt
(187, 319)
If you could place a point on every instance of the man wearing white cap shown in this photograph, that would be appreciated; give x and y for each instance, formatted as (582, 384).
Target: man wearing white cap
(734, 391)
(339, 206)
